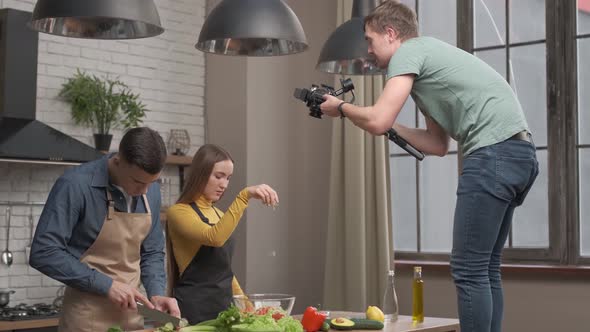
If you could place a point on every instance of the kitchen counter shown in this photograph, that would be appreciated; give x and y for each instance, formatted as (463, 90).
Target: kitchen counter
(405, 324)
(430, 324)
(28, 324)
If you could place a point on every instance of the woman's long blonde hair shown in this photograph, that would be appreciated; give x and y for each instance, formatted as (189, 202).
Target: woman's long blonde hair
(198, 176)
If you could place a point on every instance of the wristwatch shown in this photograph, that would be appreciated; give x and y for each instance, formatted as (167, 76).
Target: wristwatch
(340, 109)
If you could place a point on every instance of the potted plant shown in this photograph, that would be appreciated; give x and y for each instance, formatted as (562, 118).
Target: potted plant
(102, 104)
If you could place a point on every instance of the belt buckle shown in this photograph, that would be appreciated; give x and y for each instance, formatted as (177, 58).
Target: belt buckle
(524, 136)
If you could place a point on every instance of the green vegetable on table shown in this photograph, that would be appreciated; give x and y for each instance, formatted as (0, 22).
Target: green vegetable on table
(168, 327)
(211, 322)
(233, 320)
(198, 328)
(289, 324)
(344, 324)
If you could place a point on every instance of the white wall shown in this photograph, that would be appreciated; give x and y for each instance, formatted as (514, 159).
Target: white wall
(167, 71)
(252, 112)
(533, 300)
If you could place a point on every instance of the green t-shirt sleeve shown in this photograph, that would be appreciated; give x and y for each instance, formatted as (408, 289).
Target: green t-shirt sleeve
(408, 59)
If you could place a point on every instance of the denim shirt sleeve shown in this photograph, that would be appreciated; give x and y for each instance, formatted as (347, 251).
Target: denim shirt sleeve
(64, 209)
(153, 274)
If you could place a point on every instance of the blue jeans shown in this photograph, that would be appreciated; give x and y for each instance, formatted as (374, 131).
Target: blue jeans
(494, 181)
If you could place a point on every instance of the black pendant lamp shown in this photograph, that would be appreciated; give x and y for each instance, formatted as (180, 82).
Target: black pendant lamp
(345, 51)
(252, 28)
(97, 19)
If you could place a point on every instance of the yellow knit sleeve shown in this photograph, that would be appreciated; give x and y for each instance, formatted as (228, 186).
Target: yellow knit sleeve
(183, 226)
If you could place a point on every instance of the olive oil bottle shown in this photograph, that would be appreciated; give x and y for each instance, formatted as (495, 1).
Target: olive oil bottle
(417, 296)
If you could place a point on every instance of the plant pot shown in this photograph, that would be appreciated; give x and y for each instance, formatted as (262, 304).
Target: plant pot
(102, 142)
(5, 297)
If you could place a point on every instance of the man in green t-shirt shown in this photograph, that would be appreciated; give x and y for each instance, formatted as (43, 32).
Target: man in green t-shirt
(462, 98)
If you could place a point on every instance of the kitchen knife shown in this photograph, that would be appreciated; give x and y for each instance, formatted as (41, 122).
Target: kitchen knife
(157, 315)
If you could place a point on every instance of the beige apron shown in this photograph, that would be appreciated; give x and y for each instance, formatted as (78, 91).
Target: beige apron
(116, 253)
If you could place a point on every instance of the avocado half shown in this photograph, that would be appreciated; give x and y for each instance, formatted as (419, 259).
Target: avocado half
(341, 323)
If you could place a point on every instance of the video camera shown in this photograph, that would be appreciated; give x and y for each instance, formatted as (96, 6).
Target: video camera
(314, 96)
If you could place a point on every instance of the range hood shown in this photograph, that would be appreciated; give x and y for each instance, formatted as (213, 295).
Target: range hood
(22, 137)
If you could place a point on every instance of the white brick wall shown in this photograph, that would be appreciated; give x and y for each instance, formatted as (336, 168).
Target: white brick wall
(168, 73)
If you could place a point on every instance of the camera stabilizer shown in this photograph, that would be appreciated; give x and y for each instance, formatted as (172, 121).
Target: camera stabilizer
(314, 96)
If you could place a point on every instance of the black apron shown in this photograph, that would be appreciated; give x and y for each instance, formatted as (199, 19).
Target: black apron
(205, 287)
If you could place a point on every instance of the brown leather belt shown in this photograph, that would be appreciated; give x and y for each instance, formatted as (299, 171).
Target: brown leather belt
(523, 136)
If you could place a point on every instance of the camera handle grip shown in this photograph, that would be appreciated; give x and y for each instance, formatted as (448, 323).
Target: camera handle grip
(341, 91)
(394, 137)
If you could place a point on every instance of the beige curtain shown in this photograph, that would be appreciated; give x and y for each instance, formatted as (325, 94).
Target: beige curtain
(359, 240)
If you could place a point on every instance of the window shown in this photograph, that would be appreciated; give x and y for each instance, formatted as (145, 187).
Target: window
(423, 202)
(583, 146)
(530, 43)
(510, 37)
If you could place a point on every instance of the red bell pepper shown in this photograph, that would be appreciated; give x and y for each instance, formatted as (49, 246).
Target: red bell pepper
(313, 319)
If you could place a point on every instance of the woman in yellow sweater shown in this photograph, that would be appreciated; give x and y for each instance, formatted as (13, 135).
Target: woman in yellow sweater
(199, 236)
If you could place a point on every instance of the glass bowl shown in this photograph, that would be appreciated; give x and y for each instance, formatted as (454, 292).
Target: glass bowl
(256, 303)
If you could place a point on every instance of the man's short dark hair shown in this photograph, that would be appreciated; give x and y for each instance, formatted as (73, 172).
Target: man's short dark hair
(144, 148)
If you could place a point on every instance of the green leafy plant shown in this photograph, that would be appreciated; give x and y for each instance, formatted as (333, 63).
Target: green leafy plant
(102, 104)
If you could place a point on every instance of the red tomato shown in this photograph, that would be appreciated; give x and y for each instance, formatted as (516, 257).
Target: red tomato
(262, 311)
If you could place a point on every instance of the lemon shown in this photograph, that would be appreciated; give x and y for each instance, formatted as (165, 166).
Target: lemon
(374, 313)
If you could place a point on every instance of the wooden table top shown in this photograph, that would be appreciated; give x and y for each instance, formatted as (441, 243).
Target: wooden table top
(405, 324)
(430, 324)
(28, 324)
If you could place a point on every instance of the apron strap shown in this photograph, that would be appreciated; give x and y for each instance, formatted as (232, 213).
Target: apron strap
(215, 209)
(200, 213)
(111, 205)
(147, 205)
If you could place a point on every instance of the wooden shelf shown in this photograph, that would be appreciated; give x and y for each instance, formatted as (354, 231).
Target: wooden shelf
(181, 162)
(178, 160)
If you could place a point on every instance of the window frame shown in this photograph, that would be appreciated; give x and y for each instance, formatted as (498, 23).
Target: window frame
(419, 254)
(572, 31)
(562, 137)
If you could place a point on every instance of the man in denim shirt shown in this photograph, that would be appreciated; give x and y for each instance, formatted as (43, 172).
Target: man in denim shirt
(100, 234)
(462, 98)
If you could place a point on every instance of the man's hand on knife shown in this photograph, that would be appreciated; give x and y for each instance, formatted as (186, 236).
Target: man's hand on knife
(126, 296)
(166, 304)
